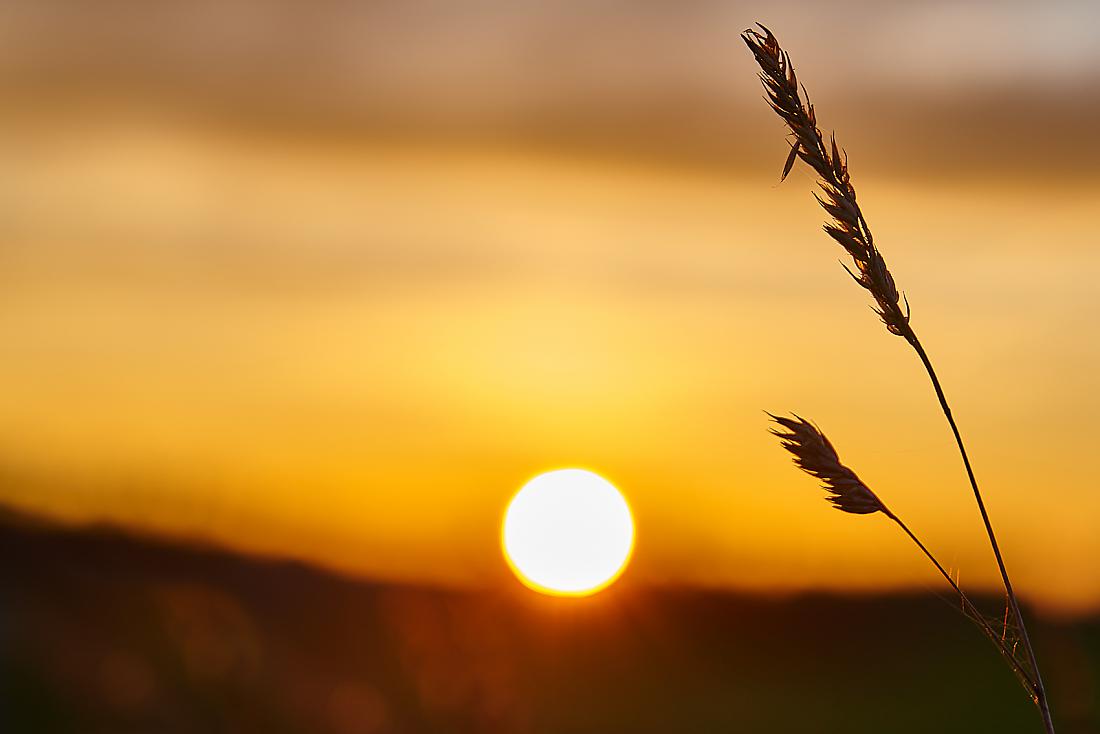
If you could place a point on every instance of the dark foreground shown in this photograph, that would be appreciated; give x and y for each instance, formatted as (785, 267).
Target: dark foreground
(105, 633)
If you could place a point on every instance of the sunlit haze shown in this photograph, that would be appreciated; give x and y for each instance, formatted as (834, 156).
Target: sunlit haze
(330, 284)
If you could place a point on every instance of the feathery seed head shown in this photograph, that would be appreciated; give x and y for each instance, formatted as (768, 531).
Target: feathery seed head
(848, 227)
(815, 455)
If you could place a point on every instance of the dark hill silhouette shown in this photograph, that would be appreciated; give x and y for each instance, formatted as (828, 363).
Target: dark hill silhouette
(101, 631)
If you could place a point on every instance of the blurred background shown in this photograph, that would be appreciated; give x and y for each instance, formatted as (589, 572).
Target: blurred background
(320, 284)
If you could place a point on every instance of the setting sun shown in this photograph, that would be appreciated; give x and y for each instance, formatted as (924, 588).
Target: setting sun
(568, 533)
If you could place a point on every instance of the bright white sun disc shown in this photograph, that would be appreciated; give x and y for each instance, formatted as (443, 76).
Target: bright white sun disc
(568, 532)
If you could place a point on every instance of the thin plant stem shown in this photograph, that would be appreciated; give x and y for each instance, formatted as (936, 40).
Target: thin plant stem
(816, 455)
(969, 609)
(1038, 690)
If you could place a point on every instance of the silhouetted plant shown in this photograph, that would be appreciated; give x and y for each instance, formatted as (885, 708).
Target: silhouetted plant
(813, 452)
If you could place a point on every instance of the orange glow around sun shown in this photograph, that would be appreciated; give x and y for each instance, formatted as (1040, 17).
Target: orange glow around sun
(568, 533)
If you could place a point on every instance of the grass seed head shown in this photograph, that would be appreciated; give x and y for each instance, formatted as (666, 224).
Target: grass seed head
(838, 198)
(815, 455)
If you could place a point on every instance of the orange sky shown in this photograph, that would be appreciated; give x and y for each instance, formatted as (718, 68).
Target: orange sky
(352, 349)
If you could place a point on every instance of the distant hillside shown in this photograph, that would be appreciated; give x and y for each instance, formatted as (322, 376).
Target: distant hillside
(100, 632)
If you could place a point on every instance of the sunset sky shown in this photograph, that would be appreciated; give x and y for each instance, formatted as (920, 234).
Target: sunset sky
(332, 282)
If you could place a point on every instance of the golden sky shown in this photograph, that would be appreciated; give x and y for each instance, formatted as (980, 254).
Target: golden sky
(349, 336)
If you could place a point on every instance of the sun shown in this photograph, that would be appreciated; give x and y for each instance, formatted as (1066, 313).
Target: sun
(568, 533)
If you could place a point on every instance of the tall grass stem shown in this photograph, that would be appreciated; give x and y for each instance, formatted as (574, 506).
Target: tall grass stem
(849, 228)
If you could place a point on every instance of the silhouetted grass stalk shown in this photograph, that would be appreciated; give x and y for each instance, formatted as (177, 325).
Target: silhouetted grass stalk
(849, 228)
(815, 455)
